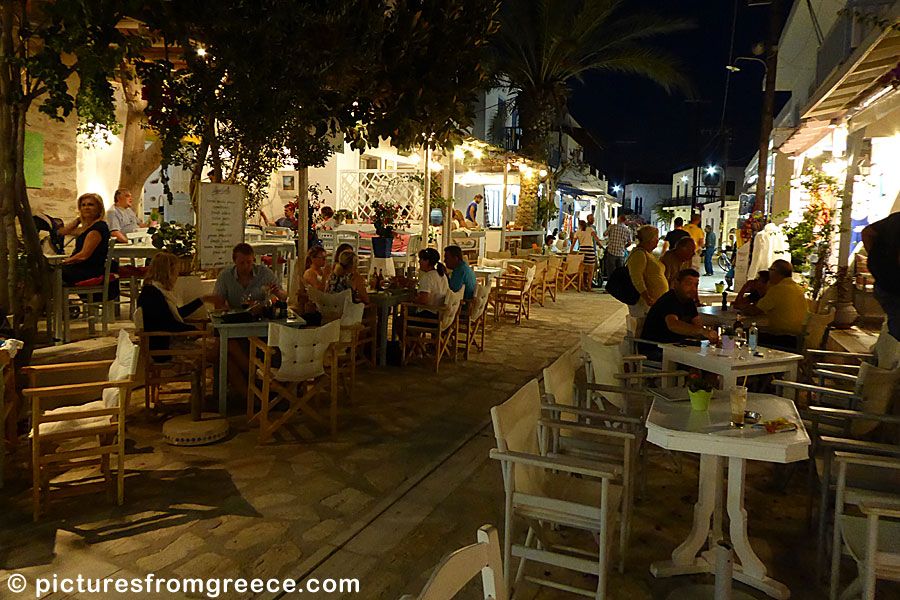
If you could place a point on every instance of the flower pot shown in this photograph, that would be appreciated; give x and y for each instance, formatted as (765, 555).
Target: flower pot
(437, 216)
(381, 246)
(720, 287)
(700, 399)
(185, 265)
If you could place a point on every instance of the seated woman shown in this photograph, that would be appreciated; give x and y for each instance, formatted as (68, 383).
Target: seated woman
(459, 221)
(92, 244)
(433, 283)
(752, 291)
(316, 274)
(346, 277)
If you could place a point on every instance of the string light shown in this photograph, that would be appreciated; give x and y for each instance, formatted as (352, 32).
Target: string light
(201, 51)
(459, 153)
(476, 152)
(542, 173)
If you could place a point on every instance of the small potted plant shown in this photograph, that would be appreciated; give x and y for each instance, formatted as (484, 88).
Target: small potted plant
(700, 391)
(344, 216)
(385, 217)
(177, 238)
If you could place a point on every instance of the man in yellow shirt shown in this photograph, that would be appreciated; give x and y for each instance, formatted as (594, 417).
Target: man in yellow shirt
(693, 229)
(785, 306)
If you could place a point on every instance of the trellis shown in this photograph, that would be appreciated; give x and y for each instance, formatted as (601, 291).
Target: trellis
(359, 188)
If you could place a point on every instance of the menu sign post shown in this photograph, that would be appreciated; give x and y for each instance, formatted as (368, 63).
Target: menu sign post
(221, 222)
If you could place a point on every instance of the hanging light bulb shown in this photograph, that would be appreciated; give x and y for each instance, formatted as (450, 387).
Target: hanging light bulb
(542, 173)
(476, 152)
(459, 153)
(522, 167)
(201, 51)
(529, 172)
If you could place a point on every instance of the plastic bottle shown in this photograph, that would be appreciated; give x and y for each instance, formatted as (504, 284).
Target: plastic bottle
(753, 337)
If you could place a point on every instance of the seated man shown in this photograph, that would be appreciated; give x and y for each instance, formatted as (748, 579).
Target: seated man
(752, 291)
(245, 282)
(463, 275)
(678, 258)
(121, 218)
(673, 318)
(784, 304)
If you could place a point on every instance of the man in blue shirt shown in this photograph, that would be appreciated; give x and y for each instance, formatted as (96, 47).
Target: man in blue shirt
(463, 275)
(472, 210)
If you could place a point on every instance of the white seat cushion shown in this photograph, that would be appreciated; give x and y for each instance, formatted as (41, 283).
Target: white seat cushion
(75, 424)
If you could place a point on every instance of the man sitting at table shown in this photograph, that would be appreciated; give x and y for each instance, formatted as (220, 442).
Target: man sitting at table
(462, 274)
(121, 218)
(245, 282)
(673, 318)
(785, 306)
(678, 258)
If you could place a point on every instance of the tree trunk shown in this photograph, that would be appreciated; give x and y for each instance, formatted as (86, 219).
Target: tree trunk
(138, 160)
(536, 116)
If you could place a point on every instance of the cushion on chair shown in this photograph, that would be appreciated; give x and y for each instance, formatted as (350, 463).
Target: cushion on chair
(482, 294)
(302, 350)
(96, 281)
(606, 363)
(451, 303)
(132, 271)
(75, 424)
(123, 367)
(351, 315)
(400, 243)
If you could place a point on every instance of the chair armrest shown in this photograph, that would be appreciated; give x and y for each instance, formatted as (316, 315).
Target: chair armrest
(880, 508)
(860, 446)
(835, 366)
(814, 388)
(586, 412)
(600, 387)
(866, 460)
(633, 357)
(556, 463)
(587, 428)
(843, 413)
(651, 374)
(834, 353)
(834, 375)
(76, 366)
(175, 334)
(75, 388)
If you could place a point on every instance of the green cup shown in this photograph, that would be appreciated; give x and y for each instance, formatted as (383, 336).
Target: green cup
(700, 399)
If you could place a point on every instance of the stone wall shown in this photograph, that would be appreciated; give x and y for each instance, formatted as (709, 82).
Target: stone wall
(526, 213)
(59, 191)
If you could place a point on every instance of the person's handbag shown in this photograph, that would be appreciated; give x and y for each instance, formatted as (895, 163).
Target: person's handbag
(620, 286)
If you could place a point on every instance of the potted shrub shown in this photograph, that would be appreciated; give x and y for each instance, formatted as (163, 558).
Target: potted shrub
(438, 205)
(385, 217)
(344, 216)
(179, 239)
(700, 391)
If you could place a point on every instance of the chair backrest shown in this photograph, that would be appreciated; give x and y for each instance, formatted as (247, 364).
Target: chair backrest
(573, 262)
(277, 232)
(252, 234)
(540, 270)
(351, 315)
(503, 254)
(138, 319)
(515, 428)
(559, 377)
(529, 277)
(877, 387)
(814, 326)
(330, 305)
(414, 245)
(327, 238)
(124, 367)
(451, 302)
(494, 263)
(553, 265)
(480, 300)
(605, 364)
(187, 289)
(347, 237)
(461, 566)
(302, 350)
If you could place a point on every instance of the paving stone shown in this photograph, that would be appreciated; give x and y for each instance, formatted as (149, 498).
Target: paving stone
(121, 546)
(276, 561)
(256, 534)
(172, 553)
(322, 530)
(208, 565)
(267, 500)
(348, 501)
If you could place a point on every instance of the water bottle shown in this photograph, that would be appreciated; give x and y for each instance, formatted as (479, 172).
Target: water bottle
(753, 337)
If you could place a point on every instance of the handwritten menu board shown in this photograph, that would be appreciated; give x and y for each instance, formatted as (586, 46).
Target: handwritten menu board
(221, 224)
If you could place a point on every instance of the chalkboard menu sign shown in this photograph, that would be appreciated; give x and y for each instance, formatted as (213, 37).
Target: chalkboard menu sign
(221, 224)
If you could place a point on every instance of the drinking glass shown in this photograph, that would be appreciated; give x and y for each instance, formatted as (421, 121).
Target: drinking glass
(738, 396)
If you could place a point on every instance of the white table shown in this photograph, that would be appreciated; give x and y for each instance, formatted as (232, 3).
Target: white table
(729, 364)
(674, 426)
(226, 331)
(276, 248)
(489, 273)
(133, 251)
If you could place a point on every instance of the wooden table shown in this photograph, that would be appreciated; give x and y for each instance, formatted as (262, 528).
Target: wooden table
(713, 315)
(386, 301)
(227, 331)
(675, 426)
(730, 364)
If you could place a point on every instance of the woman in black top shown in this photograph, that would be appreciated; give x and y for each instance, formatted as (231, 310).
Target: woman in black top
(158, 303)
(92, 244)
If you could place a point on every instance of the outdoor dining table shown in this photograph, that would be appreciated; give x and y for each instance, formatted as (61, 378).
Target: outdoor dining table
(731, 364)
(227, 331)
(386, 301)
(714, 315)
(489, 273)
(673, 425)
(276, 248)
(134, 251)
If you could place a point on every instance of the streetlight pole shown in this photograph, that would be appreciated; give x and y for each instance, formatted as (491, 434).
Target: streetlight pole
(768, 108)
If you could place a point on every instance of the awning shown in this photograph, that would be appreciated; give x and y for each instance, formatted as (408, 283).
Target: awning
(576, 183)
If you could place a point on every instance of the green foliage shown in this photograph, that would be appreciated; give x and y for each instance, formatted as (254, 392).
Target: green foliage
(385, 217)
(697, 383)
(546, 209)
(174, 237)
(663, 214)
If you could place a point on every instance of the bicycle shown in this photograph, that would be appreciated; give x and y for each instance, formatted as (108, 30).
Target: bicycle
(724, 260)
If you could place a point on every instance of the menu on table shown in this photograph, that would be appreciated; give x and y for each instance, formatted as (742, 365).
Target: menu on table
(221, 223)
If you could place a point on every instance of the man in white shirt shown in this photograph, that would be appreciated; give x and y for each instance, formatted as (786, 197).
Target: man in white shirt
(121, 218)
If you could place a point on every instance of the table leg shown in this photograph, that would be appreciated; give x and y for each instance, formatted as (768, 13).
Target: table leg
(729, 380)
(223, 373)
(383, 333)
(685, 559)
(668, 365)
(59, 305)
(752, 571)
(791, 374)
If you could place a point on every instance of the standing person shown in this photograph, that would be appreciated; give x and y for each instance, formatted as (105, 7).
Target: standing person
(462, 275)
(585, 237)
(693, 229)
(88, 260)
(472, 210)
(709, 249)
(882, 242)
(121, 218)
(245, 281)
(647, 273)
(676, 234)
(618, 238)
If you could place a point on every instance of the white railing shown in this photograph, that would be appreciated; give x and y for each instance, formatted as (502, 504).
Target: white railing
(404, 188)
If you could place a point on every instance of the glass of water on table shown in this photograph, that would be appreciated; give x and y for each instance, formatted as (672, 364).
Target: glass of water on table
(738, 397)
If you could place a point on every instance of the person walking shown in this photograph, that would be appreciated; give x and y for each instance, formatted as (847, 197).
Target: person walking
(709, 249)
(618, 239)
(693, 229)
(586, 236)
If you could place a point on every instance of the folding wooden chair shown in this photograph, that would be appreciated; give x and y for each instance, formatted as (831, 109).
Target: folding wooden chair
(461, 566)
(572, 270)
(59, 433)
(514, 290)
(357, 331)
(299, 379)
(473, 319)
(538, 288)
(441, 333)
(553, 280)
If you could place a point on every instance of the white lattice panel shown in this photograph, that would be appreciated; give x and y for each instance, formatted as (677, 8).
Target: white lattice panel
(360, 188)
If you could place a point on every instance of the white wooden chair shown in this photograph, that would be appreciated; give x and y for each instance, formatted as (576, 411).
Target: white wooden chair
(357, 332)
(553, 279)
(541, 490)
(419, 332)
(328, 240)
(872, 540)
(408, 259)
(71, 436)
(299, 379)
(473, 320)
(88, 292)
(330, 305)
(461, 566)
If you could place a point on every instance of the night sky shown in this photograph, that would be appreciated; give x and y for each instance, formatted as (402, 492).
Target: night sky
(646, 134)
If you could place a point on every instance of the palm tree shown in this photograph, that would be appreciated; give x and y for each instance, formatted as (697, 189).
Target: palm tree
(545, 44)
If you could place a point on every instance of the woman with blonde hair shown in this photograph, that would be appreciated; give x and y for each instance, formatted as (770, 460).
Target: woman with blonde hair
(648, 274)
(345, 276)
(92, 244)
